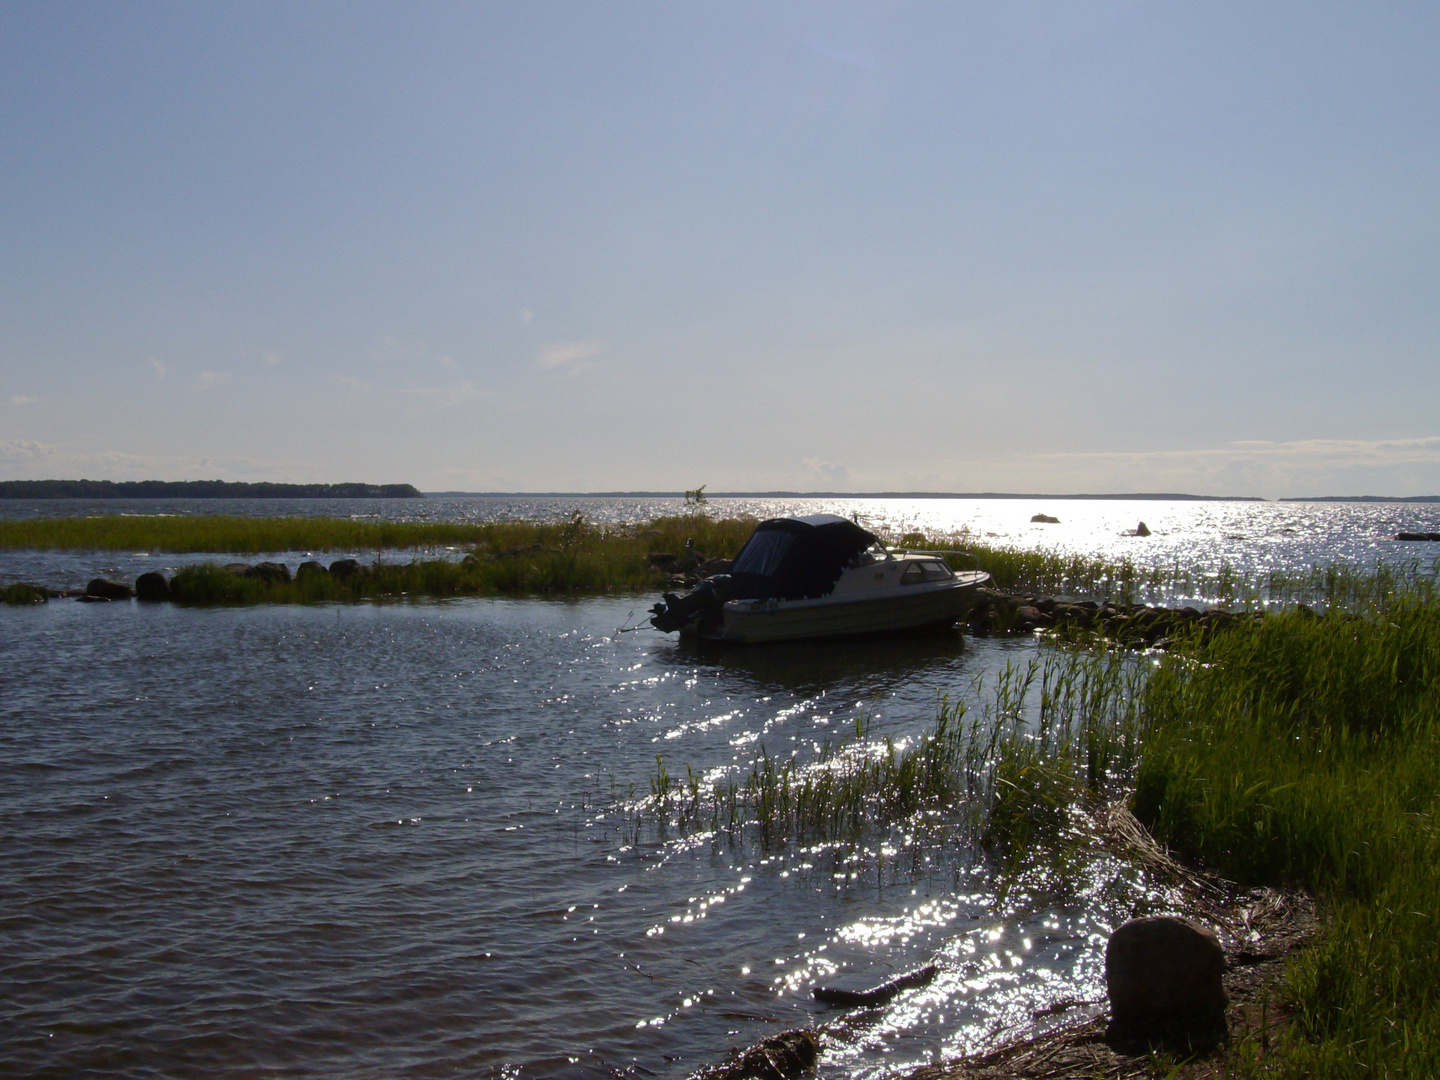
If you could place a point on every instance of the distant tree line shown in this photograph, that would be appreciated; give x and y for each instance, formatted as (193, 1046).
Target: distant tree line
(198, 489)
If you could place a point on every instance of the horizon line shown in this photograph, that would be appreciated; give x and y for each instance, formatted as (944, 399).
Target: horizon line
(1115, 496)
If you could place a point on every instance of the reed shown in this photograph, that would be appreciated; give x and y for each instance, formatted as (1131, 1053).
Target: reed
(21, 595)
(1048, 735)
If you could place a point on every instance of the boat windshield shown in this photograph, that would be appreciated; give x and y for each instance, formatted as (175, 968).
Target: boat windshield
(762, 555)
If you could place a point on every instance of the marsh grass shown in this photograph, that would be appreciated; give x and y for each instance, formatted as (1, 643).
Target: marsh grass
(506, 558)
(252, 535)
(1303, 752)
(1124, 580)
(19, 595)
(1007, 774)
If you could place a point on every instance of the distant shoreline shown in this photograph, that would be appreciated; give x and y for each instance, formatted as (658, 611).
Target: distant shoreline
(198, 489)
(224, 489)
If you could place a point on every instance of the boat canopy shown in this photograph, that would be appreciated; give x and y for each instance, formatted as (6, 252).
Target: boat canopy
(796, 558)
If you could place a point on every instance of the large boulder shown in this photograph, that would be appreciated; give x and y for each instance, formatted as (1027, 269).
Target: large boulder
(269, 571)
(1165, 978)
(1044, 519)
(152, 586)
(105, 589)
(343, 568)
(310, 568)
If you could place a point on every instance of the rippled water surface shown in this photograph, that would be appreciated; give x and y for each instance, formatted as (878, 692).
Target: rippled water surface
(397, 839)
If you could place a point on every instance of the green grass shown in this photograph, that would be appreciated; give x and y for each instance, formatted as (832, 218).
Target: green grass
(247, 535)
(1306, 752)
(509, 558)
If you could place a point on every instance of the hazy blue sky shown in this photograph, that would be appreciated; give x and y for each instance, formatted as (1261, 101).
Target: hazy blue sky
(549, 246)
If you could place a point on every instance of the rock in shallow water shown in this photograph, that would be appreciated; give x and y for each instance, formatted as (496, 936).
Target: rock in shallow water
(105, 589)
(152, 586)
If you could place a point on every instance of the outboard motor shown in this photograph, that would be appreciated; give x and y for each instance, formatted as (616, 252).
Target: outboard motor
(675, 612)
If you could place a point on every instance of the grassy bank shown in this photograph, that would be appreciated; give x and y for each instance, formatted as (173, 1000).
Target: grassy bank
(1304, 752)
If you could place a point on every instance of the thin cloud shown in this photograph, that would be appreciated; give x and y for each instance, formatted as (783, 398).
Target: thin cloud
(23, 399)
(271, 358)
(831, 472)
(208, 380)
(358, 385)
(158, 367)
(569, 356)
(21, 451)
(526, 316)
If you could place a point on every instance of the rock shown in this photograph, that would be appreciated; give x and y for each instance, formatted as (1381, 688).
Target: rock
(715, 566)
(309, 568)
(105, 589)
(779, 1057)
(269, 571)
(239, 569)
(1164, 977)
(343, 568)
(1418, 536)
(1028, 618)
(1142, 529)
(152, 586)
(1045, 519)
(662, 560)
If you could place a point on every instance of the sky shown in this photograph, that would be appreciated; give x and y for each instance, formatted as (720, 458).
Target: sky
(1059, 247)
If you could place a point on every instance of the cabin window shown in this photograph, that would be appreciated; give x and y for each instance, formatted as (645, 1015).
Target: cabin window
(925, 571)
(763, 553)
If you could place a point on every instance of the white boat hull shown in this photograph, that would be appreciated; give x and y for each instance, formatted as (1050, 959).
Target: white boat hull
(909, 607)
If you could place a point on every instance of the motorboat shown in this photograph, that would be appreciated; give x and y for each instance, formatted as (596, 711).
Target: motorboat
(819, 576)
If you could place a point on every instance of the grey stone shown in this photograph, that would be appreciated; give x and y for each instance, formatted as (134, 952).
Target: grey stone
(343, 568)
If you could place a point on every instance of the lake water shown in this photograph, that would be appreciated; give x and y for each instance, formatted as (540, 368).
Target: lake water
(388, 840)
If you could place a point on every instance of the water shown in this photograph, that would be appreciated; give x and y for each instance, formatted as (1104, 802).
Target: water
(394, 839)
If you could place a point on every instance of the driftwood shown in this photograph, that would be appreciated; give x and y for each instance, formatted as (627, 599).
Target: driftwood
(878, 995)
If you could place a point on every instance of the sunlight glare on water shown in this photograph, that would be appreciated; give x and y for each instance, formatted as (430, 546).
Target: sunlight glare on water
(399, 840)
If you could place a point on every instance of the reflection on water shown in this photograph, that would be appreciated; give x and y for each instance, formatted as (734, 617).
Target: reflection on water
(394, 840)
(814, 666)
(391, 840)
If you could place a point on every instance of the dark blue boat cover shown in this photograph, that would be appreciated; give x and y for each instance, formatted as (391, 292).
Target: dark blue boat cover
(796, 558)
